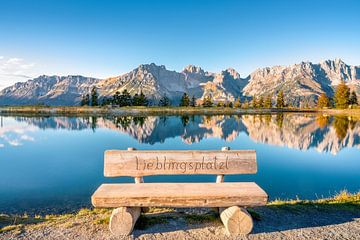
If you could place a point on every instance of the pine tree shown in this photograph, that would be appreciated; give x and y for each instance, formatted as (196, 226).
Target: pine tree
(185, 100)
(254, 102)
(143, 101)
(323, 101)
(353, 98)
(260, 102)
(342, 95)
(268, 102)
(94, 97)
(85, 100)
(193, 101)
(125, 99)
(280, 103)
(135, 100)
(207, 102)
(237, 103)
(116, 98)
(164, 101)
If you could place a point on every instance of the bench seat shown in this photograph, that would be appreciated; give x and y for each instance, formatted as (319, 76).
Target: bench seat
(224, 194)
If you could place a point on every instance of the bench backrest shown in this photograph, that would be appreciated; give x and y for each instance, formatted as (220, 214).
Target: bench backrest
(144, 163)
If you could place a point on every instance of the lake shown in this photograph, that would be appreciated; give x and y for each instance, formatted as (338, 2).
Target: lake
(54, 164)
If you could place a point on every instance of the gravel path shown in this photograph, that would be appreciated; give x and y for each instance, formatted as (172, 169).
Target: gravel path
(286, 222)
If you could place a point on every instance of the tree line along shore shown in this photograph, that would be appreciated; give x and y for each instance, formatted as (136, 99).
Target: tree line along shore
(342, 98)
(343, 102)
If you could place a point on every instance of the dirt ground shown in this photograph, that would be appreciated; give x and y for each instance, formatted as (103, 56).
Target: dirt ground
(270, 222)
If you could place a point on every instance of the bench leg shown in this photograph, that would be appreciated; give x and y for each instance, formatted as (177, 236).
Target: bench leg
(236, 220)
(123, 219)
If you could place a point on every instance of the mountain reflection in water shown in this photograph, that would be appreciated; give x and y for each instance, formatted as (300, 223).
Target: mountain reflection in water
(300, 131)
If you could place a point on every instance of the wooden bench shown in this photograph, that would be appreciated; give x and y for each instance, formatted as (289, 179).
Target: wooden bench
(227, 197)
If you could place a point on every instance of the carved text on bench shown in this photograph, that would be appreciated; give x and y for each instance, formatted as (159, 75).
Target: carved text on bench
(165, 164)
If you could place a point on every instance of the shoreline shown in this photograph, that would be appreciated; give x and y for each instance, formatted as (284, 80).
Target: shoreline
(298, 219)
(136, 111)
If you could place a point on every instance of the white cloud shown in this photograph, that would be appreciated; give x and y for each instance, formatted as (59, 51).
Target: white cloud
(15, 69)
(1, 145)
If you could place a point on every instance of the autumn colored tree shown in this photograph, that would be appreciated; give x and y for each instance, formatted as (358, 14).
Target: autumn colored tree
(268, 102)
(237, 103)
(207, 102)
(323, 101)
(342, 95)
(280, 102)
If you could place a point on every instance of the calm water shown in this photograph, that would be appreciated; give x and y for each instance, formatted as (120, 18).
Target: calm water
(56, 163)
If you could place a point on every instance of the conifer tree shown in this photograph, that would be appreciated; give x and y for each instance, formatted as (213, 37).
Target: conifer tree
(268, 102)
(280, 103)
(193, 101)
(164, 101)
(342, 95)
(237, 103)
(94, 97)
(353, 98)
(185, 100)
(323, 101)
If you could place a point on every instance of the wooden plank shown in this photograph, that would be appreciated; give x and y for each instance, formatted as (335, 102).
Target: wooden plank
(144, 163)
(179, 195)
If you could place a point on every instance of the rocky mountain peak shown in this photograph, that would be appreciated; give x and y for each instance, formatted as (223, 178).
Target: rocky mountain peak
(193, 69)
(232, 72)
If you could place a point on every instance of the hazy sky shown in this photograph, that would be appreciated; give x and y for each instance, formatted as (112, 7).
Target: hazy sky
(106, 38)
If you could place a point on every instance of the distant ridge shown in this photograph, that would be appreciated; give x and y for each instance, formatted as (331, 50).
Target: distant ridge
(302, 82)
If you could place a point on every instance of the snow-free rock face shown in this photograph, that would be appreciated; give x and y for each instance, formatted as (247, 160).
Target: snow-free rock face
(301, 83)
(51, 90)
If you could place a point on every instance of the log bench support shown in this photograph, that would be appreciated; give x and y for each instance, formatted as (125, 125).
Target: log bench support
(228, 199)
(123, 219)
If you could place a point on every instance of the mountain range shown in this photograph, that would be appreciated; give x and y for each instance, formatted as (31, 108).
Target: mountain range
(301, 83)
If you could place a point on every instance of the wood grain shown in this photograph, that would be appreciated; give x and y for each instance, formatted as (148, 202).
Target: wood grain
(123, 219)
(144, 163)
(179, 195)
(236, 220)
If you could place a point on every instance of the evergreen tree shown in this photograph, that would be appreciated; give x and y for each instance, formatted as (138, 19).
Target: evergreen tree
(237, 103)
(85, 100)
(229, 104)
(280, 103)
(341, 96)
(207, 102)
(268, 102)
(260, 102)
(353, 98)
(254, 102)
(185, 100)
(143, 101)
(246, 104)
(164, 101)
(94, 97)
(193, 101)
(136, 100)
(125, 99)
(116, 98)
(323, 101)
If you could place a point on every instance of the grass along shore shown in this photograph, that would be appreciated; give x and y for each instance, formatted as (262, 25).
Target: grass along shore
(332, 209)
(73, 110)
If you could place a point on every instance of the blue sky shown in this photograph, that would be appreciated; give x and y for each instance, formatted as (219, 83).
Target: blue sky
(106, 38)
